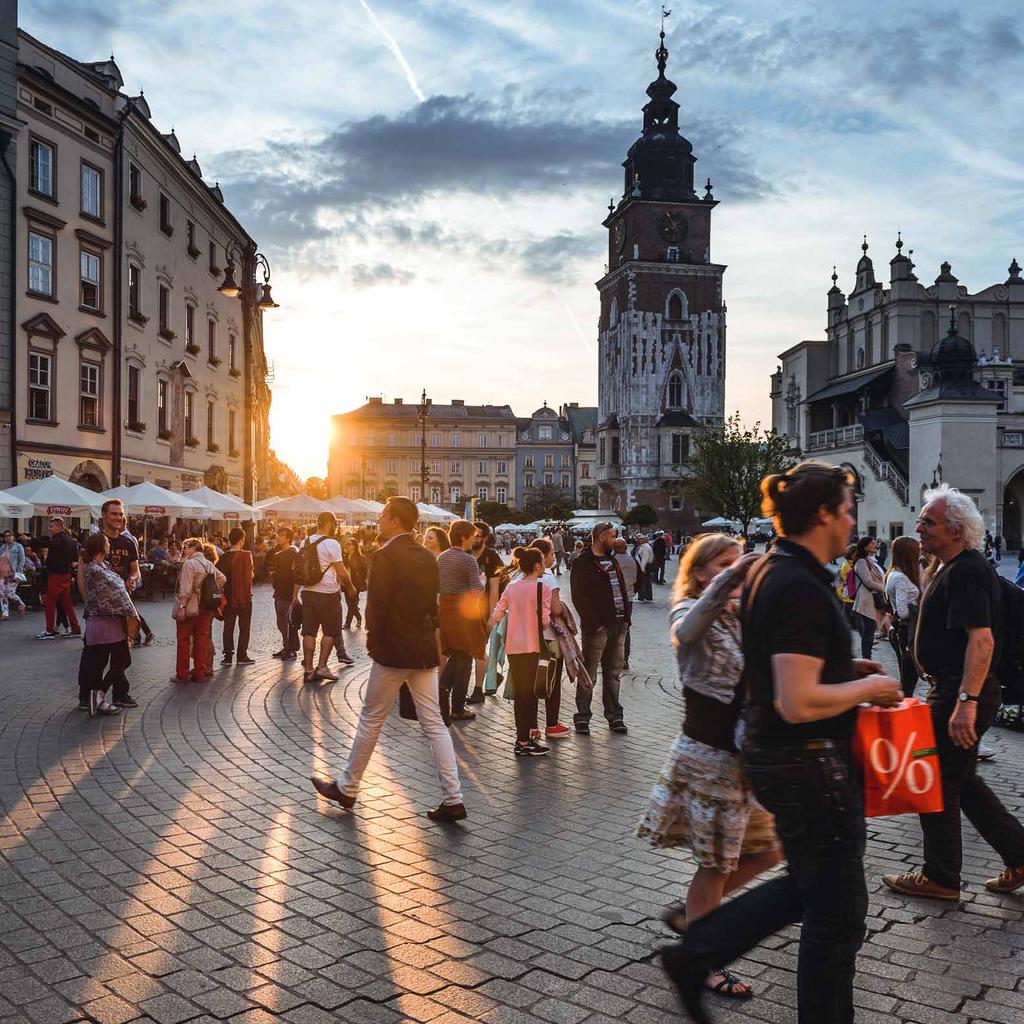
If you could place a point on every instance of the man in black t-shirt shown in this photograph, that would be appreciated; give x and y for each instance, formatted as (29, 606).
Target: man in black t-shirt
(956, 647)
(802, 687)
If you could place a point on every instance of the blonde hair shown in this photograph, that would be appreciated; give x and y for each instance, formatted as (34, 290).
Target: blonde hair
(701, 552)
(192, 542)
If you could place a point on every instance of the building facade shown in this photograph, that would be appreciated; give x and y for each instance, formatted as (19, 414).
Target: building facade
(545, 457)
(913, 384)
(377, 450)
(10, 127)
(130, 365)
(583, 428)
(661, 341)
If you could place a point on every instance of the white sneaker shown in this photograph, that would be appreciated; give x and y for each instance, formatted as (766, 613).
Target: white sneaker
(985, 753)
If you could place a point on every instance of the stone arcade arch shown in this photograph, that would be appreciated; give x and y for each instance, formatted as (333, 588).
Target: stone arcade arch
(1013, 510)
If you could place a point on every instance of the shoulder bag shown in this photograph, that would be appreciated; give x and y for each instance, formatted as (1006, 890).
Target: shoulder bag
(544, 679)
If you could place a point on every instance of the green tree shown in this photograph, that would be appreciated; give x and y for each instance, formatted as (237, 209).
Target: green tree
(642, 515)
(316, 487)
(547, 502)
(389, 490)
(727, 466)
(588, 496)
(494, 513)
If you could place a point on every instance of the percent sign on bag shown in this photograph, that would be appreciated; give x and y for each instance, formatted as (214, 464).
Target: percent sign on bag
(897, 752)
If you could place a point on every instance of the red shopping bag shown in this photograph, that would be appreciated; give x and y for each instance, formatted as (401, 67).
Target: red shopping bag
(896, 750)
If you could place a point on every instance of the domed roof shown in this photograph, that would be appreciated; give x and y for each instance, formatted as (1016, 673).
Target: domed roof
(954, 349)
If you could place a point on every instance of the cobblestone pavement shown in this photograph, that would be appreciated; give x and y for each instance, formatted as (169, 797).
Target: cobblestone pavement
(172, 864)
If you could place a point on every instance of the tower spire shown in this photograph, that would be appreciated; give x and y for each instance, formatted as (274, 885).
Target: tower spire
(661, 54)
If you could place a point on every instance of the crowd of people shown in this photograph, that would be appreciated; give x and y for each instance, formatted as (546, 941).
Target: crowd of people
(762, 770)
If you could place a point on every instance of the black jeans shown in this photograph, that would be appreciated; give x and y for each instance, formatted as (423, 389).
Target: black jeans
(352, 609)
(963, 790)
(816, 800)
(866, 628)
(455, 683)
(91, 668)
(243, 616)
(659, 571)
(900, 641)
(644, 590)
(604, 648)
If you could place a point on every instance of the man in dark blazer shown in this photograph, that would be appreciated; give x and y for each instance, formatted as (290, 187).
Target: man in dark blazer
(401, 624)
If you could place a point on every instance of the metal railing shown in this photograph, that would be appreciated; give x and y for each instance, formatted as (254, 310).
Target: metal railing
(840, 437)
(886, 472)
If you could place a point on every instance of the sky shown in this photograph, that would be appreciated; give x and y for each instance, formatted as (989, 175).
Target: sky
(428, 177)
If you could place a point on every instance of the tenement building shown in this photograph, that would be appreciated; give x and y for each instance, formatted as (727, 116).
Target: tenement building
(661, 341)
(544, 457)
(914, 383)
(583, 429)
(130, 363)
(382, 449)
(10, 126)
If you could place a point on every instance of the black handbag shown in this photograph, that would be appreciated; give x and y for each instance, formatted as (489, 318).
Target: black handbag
(406, 705)
(544, 678)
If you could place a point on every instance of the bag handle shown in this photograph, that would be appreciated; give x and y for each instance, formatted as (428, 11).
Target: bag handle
(540, 619)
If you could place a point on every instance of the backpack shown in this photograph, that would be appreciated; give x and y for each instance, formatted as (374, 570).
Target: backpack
(851, 583)
(1011, 655)
(210, 593)
(307, 565)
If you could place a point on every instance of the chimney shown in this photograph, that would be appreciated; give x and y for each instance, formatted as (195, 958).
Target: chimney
(574, 405)
(375, 400)
(398, 401)
(458, 403)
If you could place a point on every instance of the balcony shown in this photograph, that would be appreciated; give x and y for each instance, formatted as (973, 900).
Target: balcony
(841, 437)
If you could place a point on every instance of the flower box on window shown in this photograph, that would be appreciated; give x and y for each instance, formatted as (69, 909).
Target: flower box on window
(192, 348)
(215, 360)
(212, 446)
(234, 372)
(167, 334)
(193, 252)
(191, 442)
(164, 434)
(138, 318)
(138, 202)
(138, 428)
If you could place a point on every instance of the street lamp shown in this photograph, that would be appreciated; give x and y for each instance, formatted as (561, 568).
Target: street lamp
(423, 413)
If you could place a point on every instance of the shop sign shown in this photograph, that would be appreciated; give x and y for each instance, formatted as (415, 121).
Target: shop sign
(154, 510)
(39, 469)
(230, 515)
(58, 510)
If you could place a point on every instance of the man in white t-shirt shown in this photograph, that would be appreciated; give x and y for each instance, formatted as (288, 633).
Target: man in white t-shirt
(321, 601)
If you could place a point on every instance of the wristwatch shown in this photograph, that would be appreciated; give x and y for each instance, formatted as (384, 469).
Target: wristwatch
(964, 697)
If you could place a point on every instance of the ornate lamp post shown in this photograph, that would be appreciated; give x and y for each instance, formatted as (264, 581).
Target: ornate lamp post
(423, 413)
(255, 298)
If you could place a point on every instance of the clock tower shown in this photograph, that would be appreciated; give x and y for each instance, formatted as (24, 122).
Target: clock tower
(661, 343)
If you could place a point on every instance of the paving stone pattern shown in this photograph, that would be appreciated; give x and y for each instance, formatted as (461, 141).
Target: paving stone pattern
(172, 864)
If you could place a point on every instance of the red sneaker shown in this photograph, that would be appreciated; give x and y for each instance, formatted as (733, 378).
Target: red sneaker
(557, 732)
(535, 734)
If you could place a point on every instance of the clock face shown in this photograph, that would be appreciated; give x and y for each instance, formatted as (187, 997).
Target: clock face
(619, 235)
(565, 436)
(672, 226)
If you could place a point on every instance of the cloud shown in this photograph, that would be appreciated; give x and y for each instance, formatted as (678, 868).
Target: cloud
(291, 192)
(555, 258)
(365, 275)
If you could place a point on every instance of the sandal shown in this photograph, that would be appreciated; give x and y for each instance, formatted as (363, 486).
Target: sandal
(107, 709)
(730, 985)
(675, 918)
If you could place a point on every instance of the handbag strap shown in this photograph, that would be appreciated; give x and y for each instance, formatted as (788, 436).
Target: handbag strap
(540, 621)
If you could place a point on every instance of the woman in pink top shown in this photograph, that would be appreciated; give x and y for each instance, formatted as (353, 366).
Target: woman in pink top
(523, 640)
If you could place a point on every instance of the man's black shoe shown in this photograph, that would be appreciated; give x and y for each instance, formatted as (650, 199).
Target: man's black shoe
(126, 702)
(463, 716)
(344, 659)
(83, 705)
(289, 655)
(226, 660)
(618, 726)
(244, 659)
(328, 789)
(582, 728)
(448, 812)
(688, 980)
(281, 654)
(476, 697)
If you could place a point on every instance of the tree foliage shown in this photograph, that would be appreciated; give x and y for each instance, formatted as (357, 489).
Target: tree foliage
(494, 513)
(547, 502)
(641, 515)
(727, 466)
(316, 487)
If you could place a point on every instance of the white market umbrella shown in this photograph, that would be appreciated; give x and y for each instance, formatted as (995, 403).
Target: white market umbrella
(443, 513)
(720, 521)
(151, 499)
(298, 506)
(14, 508)
(221, 506)
(352, 510)
(53, 496)
(263, 502)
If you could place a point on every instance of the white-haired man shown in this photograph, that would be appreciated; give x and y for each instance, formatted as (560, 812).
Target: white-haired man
(956, 646)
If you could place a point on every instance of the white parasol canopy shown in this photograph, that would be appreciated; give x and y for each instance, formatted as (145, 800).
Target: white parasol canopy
(720, 522)
(298, 506)
(151, 499)
(264, 502)
(53, 496)
(433, 514)
(352, 510)
(15, 508)
(221, 506)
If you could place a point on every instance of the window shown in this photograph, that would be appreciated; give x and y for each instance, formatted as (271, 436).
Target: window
(501, 440)
(414, 492)
(500, 495)
(231, 352)
(564, 462)
(482, 467)
(41, 178)
(135, 186)
(211, 340)
(165, 215)
(680, 448)
(134, 389)
(161, 407)
(615, 451)
(549, 460)
(190, 405)
(211, 414)
(39, 386)
(544, 433)
(456, 440)
(214, 269)
(190, 325)
(584, 470)
(529, 462)
(675, 390)
(895, 530)
(676, 307)
(232, 446)
(92, 192)
(371, 493)
(435, 467)
(455, 494)
(483, 441)
(165, 309)
(502, 467)
(40, 264)
(549, 478)
(190, 239)
(600, 451)
(435, 440)
(134, 292)
(481, 493)
(392, 440)
(675, 503)
(392, 466)
(672, 255)
(528, 479)
(456, 467)
(435, 495)
(565, 481)
(89, 295)
(89, 395)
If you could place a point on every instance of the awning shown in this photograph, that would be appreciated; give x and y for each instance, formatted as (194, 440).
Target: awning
(849, 385)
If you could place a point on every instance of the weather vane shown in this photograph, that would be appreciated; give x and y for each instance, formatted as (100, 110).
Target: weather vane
(665, 12)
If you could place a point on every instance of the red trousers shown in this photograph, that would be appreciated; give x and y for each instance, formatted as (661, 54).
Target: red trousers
(58, 588)
(195, 633)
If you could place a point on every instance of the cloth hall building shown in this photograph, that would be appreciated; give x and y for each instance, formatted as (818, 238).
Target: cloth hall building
(913, 384)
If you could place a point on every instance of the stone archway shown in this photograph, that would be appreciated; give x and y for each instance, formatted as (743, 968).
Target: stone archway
(1013, 511)
(89, 475)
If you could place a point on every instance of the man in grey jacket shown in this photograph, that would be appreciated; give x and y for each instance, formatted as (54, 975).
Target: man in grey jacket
(630, 574)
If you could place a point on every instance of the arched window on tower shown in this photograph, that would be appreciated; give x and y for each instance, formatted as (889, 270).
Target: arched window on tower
(613, 312)
(928, 337)
(999, 333)
(676, 308)
(675, 390)
(963, 323)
